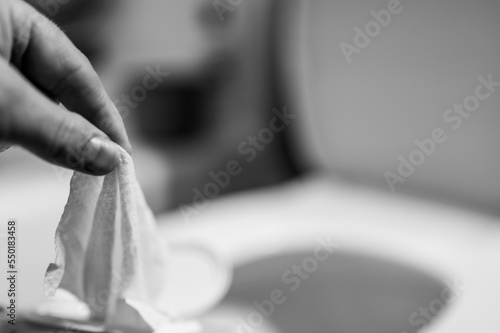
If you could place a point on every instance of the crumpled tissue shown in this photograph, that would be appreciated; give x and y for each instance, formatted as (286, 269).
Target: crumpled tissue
(110, 262)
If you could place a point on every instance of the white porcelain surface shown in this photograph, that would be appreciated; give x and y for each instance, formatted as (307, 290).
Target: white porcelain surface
(403, 252)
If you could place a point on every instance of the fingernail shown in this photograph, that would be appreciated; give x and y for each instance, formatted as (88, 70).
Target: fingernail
(107, 156)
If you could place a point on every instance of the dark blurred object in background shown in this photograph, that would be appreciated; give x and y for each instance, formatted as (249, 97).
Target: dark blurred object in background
(85, 22)
(221, 92)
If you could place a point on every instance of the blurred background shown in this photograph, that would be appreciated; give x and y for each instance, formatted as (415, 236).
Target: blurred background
(357, 100)
(228, 69)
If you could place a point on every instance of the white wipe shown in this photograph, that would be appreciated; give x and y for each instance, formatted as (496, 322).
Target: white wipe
(108, 252)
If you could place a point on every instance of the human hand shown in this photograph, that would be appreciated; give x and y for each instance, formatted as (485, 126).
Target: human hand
(40, 67)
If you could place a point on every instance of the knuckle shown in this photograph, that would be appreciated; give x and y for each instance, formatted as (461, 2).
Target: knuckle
(73, 68)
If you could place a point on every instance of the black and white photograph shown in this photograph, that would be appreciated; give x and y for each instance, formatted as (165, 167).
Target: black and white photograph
(249, 166)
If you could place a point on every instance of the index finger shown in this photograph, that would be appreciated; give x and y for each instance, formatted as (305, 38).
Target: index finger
(47, 58)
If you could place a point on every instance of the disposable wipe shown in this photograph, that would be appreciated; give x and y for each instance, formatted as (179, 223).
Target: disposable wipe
(110, 262)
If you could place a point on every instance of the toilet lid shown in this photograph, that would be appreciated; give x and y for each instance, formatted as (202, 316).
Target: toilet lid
(367, 86)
